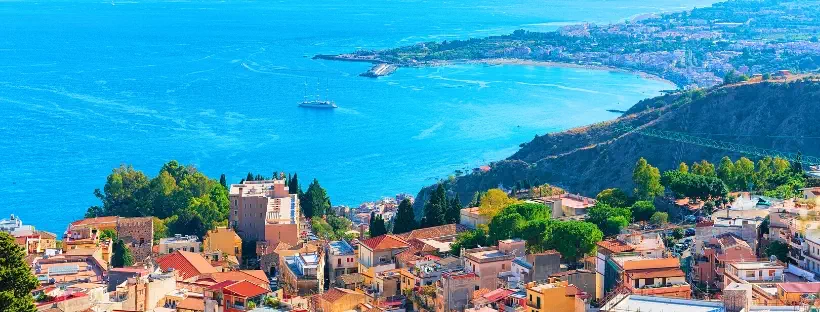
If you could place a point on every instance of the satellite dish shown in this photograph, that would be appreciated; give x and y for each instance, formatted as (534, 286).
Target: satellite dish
(772, 258)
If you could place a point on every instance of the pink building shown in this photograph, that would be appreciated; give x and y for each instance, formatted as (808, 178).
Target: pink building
(265, 211)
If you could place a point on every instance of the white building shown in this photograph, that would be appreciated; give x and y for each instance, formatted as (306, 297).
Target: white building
(755, 271)
(341, 259)
(15, 226)
(188, 243)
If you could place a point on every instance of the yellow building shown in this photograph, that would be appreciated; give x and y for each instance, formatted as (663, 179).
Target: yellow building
(408, 279)
(793, 293)
(225, 240)
(48, 240)
(554, 296)
(339, 300)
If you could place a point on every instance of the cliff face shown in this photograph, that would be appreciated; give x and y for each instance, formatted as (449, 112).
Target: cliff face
(781, 116)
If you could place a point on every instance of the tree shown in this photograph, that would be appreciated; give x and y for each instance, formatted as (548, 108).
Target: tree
(505, 226)
(613, 197)
(726, 172)
(614, 225)
(574, 239)
(315, 201)
(659, 218)
(704, 168)
(125, 193)
(600, 215)
(160, 229)
(683, 167)
(744, 174)
(377, 226)
(453, 214)
(677, 233)
(467, 240)
(293, 185)
(121, 255)
(223, 181)
(405, 220)
(643, 210)
(108, 234)
(779, 250)
(16, 280)
(647, 180)
(493, 201)
(435, 208)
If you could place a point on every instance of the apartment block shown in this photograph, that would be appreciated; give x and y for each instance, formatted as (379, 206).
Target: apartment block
(265, 211)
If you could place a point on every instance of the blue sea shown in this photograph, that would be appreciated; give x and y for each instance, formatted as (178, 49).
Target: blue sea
(88, 85)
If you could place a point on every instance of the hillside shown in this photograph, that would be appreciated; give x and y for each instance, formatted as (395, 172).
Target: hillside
(774, 115)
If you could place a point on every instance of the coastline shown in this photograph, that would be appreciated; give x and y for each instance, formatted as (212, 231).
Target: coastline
(491, 62)
(509, 61)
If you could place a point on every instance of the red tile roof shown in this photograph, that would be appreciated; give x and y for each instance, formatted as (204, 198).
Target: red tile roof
(385, 242)
(434, 232)
(615, 246)
(245, 289)
(498, 294)
(193, 304)
(335, 294)
(653, 273)
(188, 264)
(651, 264)
(93, 221)
(805, 288)
(257, 277)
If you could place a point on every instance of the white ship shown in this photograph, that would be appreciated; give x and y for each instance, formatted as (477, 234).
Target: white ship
(317, 103)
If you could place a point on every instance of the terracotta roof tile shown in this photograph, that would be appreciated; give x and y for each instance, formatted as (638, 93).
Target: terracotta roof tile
(245, 289)
(385, 242)
(256, 277)
(653, 273)
(193, 304)
(335, 294)
(188, 264)
(615, 246)
(651, 264)
(94, 221)
(434, 232)
(804, 288)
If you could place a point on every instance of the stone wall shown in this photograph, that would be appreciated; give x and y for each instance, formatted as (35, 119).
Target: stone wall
(138, 235)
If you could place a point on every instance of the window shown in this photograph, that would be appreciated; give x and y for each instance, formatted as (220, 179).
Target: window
(771, 272)
(236, 250)
(750, 274)
(538, 305)
(649, 281)
(339, 262)
(637, 283)
(477, 287)
(142, 241)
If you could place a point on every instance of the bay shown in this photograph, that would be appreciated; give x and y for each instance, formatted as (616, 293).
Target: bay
(88, 85)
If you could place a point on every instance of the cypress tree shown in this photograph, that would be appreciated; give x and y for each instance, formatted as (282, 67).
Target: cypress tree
(223, 181)
(121, 256)
(435, 208)
(405, 220)
(454, 211)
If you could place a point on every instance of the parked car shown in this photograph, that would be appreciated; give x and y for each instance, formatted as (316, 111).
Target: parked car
(689, 232)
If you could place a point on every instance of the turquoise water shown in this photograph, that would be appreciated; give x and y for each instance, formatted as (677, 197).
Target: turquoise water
(86, 86)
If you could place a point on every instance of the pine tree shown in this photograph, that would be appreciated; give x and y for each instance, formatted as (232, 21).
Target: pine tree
(315, 201)
(16, 282)
(454, 211)
(405, 220)
(121, 256)
(377, 227)
(223, 181)
(249, 177)
(293, 185)
(435, 208)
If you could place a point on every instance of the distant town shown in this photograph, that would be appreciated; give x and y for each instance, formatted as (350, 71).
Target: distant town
(703, 47)
(736, 236)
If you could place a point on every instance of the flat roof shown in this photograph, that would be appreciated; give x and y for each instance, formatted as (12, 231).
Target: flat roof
(755, 265)
(340, 248)
(657, 304)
